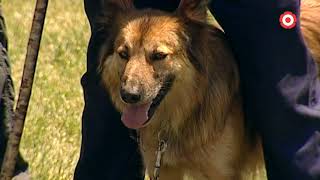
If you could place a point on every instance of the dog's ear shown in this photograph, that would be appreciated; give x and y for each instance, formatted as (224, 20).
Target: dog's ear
(123, 4)
(107, 13)
(193, 9)
(116, 5)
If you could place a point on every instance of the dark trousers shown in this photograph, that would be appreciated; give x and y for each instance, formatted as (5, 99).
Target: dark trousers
(6, 98)
(109, 153)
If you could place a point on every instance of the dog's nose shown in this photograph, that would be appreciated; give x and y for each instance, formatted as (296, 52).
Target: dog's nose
(130, 97)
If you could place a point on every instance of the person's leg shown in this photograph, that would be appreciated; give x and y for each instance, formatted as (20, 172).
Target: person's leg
(107, 151)
(279, 82)
(6, 98)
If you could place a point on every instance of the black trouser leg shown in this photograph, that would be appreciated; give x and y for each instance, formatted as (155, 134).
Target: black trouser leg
(6, 98)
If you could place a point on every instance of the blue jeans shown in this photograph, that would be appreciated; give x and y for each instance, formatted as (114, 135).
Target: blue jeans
(271, 61)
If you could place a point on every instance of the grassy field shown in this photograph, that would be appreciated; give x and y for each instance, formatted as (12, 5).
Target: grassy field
(51, 138)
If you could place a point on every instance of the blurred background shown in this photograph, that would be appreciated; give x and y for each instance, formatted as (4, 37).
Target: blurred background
(51, 139)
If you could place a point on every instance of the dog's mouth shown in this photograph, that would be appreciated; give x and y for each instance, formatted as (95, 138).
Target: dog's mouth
(138, 116)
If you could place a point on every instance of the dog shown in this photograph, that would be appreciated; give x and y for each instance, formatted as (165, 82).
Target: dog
(175, 80)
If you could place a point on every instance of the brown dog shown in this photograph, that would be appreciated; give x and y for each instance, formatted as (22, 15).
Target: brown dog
(173, 77)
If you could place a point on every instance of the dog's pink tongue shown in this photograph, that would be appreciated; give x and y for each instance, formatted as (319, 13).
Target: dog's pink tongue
(134, 117)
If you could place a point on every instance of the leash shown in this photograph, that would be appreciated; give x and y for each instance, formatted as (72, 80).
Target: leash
(162, 147)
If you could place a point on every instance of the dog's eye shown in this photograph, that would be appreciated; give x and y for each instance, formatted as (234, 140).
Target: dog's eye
(124, 55)
(157, 56)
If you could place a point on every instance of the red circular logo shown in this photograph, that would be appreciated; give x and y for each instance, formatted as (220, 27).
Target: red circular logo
(288, 20)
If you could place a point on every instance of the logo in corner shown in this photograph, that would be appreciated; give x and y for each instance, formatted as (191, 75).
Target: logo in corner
(288, 20)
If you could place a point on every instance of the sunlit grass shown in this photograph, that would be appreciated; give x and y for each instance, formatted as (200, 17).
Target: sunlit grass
(51, 138)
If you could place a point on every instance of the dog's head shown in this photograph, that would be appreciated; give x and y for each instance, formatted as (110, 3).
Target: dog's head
(148, 60)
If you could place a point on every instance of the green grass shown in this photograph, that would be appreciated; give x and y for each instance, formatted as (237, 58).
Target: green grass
(51, 139)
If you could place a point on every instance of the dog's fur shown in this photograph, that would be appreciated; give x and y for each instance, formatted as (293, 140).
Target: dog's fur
(201, 115)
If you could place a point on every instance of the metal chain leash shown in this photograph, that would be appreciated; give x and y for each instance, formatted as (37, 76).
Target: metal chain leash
(162, 147)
